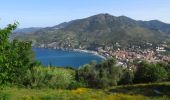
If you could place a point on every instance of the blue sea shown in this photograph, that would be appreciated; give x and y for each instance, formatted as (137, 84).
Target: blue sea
(64, 58)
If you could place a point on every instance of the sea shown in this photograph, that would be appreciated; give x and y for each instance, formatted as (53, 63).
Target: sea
(64, 58)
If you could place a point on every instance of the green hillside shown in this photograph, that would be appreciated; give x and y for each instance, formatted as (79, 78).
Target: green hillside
(97, 30)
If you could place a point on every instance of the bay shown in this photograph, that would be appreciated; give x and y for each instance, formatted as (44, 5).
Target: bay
(64, 58)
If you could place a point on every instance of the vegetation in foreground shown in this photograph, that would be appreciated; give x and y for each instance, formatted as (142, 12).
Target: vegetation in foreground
(127, 92)
(22, 77)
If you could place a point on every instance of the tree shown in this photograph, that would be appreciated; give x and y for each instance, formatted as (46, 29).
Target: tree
(5, 68)
(22, 59)
(101, 75)
(150, 73)
(167, 68)
(15, 57)
(127, 77)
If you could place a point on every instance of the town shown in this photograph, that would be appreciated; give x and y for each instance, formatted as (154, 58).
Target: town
(130, 55)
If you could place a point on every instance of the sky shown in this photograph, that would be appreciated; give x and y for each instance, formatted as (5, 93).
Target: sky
(44, 13)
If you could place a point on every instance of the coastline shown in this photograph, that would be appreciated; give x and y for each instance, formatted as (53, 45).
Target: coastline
(79, 50)
(91, 52)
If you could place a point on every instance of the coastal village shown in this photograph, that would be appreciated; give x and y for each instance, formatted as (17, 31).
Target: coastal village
(124, 56)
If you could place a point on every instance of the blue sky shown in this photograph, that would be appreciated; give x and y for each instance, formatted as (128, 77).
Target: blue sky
(42, 13)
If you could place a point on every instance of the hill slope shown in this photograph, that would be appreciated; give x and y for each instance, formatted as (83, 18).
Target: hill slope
(156, 25)
(97, 30)
(24, 31)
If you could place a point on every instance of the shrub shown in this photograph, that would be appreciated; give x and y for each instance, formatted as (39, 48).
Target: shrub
(49, 77)
(167, 68)
(127, 77)
(150, 73)
(76, 84)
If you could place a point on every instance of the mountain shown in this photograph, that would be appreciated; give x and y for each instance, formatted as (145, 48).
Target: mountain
(62, 25)
(24, 31)
(100, 31)
(156, 25)
(27, 30)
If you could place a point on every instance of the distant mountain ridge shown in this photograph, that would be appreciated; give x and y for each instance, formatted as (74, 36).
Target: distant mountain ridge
(27, 30)
(100, 30)
(24, 31)
(156, 25)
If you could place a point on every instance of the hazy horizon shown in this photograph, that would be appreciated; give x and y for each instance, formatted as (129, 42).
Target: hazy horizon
(36, 13)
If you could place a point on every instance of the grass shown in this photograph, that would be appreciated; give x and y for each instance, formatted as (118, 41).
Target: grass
(48, 94)
(148, 90)
(128, 92)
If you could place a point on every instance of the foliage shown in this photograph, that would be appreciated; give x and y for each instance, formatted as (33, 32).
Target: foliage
(15, 58)
(167, 68)
(49, 77)
(127, 77)
(150, 73)
(100, 75)
(76, 84)
(150, 89)
(4, 54)
(107, 74)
